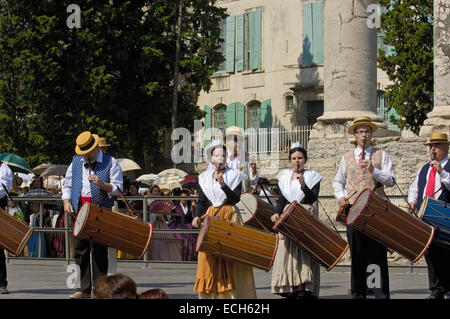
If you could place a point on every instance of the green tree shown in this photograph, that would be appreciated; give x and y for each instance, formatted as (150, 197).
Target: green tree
(408, 30)
(113, 76)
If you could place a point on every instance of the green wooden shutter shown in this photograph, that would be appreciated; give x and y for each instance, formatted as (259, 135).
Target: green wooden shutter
(317, 30)
(265, 114)
(231, 114)
(240, 42)
(229, 44)
(240, 115)
(207, 124)
(307, 57)
(255, 37)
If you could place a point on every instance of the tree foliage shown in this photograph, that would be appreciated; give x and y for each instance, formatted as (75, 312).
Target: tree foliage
(113, 76)
(408, 29)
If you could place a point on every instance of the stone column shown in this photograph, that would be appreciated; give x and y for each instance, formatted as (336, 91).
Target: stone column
(439, 119)
(350, 67)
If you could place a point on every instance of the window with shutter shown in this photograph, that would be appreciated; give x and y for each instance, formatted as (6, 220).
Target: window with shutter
(312, 16)
(220, 121)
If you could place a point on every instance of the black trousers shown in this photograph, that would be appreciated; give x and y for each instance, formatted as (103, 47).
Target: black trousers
(438, 262)
(82, 248)
(366, 251)
(3, 273)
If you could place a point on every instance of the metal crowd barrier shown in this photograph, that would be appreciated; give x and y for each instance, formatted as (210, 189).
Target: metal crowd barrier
(56, 200)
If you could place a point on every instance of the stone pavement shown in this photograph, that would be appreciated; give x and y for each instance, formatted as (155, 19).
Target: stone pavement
(47, 280)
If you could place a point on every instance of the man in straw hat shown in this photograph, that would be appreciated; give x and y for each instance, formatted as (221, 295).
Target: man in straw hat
(364, 167)
(433, 180)
(238, 159)
(6, 179)
(96, 177)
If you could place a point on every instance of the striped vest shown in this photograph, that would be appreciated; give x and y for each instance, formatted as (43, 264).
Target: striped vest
(422, 182)
(357, 179)
(102, 170)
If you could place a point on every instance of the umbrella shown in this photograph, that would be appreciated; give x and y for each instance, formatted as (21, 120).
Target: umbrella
(128, 165)
(147, 179)
(40, 168)
(170, 186)
(55, 170)
(16, 162)
(172, 172)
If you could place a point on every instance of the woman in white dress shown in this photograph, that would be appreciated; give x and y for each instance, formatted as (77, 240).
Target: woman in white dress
(294, 273)
(220, 190)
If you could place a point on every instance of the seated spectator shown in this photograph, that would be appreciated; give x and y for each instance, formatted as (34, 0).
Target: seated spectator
(118, 286)
(156, 293)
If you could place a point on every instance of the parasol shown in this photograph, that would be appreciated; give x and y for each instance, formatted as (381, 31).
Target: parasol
(15, 162)
(148, 179)
(40, 168)
(55, 170)
(128, 165)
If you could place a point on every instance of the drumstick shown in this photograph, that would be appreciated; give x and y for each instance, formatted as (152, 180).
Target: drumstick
(327, 215)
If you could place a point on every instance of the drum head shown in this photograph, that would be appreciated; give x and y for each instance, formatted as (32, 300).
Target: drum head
(247, 206)
(287, 210)
(358, 206)
(81, 219)
(423, 207)
(202, 233)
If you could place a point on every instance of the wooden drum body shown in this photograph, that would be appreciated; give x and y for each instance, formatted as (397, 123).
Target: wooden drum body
(14, 234)
(236, 242)
(393, 227)
(113, 229)
(255, 212)
(311, 235)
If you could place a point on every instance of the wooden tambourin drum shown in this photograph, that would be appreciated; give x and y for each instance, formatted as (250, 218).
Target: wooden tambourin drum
(398, 230)
(14, 234)
(255, 212)
(341, 215)
(240, 243)
(437, 214)
(309, 234)
(113, 229)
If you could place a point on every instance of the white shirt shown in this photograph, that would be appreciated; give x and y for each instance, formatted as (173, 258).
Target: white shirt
(6, 178)
(291, 189)
(443, 178)
(385, 176)
(115, 176)
(212, 189)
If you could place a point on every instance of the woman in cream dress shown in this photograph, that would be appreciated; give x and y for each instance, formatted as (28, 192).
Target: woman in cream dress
(294, 273)
(220, 190)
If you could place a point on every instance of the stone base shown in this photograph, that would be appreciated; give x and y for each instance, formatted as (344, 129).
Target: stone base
(438, 121)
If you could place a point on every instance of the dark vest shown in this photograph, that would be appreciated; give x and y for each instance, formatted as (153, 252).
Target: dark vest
(422, 182)
(102, 170)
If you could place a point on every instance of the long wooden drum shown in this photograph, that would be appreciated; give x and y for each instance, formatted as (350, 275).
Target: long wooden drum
(240, 243)
(14, 234)
(255, 212)
(311, 235)
(113, 229)
(390, 225)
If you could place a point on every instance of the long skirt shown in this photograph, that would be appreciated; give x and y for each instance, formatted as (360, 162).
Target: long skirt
(186, 243)
(293, 270)
(164, 246)
(221, 278)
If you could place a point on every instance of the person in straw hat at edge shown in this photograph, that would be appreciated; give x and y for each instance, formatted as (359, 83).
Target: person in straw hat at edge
(433, 180)
(93, 176)
(238, 159)
(364, 167)
(103, 145)
(220, 190)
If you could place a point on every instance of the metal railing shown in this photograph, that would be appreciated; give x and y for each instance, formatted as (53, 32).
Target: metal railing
(56, 200)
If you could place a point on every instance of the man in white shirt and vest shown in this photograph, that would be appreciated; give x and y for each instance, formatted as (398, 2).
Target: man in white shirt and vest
(433, 180)
(364, 167)
(93, 176)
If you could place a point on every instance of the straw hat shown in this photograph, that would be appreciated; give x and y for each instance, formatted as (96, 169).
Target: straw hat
(362, 120)
(86, 142)
(234, 131)
(102, 142)
(436, 138)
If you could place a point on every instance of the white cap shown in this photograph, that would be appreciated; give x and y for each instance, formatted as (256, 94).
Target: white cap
(296, 145)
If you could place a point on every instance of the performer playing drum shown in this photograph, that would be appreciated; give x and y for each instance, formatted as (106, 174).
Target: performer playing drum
(433, 180)
(6, 178)
(93, 176)
(220, 189)
(364, 167)
(295, 274)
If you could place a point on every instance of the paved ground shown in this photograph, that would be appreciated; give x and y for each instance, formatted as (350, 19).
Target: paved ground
(47, 280)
